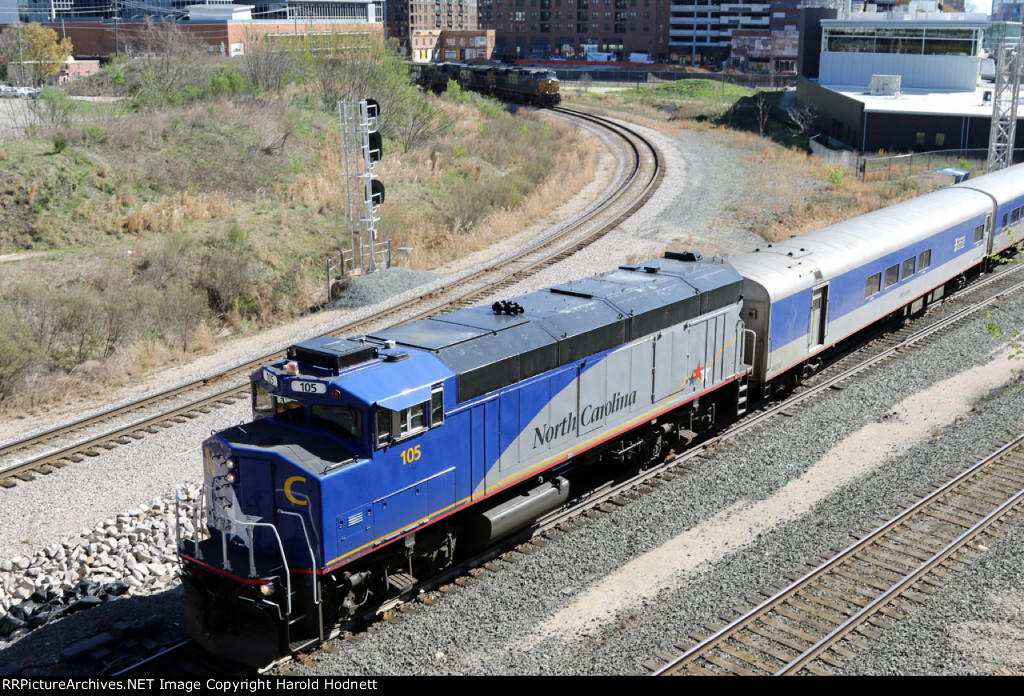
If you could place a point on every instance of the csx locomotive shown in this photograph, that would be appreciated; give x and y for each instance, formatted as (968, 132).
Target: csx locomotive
(536, 86)
(373, 460)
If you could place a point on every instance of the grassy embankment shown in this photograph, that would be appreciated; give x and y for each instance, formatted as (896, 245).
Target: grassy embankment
(158, 229)
(792, 192)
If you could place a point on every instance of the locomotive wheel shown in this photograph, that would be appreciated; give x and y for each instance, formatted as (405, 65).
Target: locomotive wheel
(654, 448)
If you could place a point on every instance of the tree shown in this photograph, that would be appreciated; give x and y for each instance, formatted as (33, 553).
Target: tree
(345, 66)
(36, 49)
(802, 117)
(167, 60)
(763, 107)
(266, 63)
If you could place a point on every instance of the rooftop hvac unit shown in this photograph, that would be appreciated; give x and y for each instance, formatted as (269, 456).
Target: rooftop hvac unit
(885, 85)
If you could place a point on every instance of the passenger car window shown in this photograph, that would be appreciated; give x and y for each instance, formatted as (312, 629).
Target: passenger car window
(892, 275)
(908, 266)
(873, 285)
(924, 259)
(979, 232)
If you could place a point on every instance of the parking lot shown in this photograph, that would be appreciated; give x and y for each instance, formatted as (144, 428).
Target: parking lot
(15, 117)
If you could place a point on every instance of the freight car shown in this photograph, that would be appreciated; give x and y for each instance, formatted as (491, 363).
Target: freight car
(535, 86)
(375, 459)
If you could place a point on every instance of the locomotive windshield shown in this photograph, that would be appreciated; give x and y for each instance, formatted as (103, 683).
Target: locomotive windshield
(346, 421)
(341, 420)
(290, 410)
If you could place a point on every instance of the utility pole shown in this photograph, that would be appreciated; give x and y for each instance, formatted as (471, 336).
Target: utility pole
(21, 55)
(1003, 134)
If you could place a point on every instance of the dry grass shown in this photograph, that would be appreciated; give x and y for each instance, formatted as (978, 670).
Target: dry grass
(171, 213)
(438, 240)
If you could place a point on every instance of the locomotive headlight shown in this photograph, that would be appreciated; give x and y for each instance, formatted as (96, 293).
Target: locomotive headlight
(267, 590)
(231, 478)
(230, 464)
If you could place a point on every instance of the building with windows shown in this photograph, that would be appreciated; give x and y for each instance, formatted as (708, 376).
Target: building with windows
(577, 29)
(222, 26)
(286, 10)
(701, 30)
(898, 80)
(1008, 10)
(406, 18)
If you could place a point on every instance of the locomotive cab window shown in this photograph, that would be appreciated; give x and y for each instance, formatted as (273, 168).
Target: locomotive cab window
(436, 405)
(398, 425)
(412, 420)
(262, 401)
(383, 419)
(873, 285)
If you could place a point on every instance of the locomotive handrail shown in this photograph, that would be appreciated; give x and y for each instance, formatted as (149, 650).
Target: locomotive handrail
(309, 547)
(249, 531)
(752, 348)
(252, 559)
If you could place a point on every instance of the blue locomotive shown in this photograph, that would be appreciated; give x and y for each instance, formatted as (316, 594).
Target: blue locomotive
(374, 460)
(370, 460)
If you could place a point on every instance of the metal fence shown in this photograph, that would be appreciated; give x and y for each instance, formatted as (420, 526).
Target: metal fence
(636, 77)
(884, 167)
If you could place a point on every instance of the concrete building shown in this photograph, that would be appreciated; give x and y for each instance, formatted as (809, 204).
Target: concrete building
(222, 26)
(896, 81)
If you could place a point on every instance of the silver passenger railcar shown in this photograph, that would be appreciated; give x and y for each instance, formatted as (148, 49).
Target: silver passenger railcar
(805, 294)
(1005, 190)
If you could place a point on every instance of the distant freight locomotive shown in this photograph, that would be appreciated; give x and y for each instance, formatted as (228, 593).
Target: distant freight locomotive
(375, 459)
(536, 86)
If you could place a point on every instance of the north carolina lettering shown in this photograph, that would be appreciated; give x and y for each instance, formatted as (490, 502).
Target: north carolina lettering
(591, 413)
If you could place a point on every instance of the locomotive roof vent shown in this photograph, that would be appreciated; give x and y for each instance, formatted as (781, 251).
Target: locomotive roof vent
(683, 255)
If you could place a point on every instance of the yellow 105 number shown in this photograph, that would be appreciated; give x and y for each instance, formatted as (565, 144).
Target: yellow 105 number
(410, 455)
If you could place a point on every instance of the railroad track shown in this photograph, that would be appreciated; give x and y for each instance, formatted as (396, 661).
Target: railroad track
(605, 496)
(810, 626)
(46, 452)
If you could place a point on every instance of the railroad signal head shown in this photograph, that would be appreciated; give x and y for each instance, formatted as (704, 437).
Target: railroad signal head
(376, 192)
(376, 143)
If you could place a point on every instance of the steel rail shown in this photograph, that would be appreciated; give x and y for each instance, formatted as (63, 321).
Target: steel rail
(530, 258)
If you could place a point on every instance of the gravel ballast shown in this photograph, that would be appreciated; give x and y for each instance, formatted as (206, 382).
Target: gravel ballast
(501, 624)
